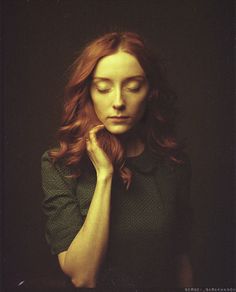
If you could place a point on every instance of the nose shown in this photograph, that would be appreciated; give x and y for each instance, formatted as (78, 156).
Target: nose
(119, 102)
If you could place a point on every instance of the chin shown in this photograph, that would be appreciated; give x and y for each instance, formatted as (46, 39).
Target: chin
(118, 130)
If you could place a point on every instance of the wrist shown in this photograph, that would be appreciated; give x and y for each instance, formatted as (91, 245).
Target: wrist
(104, 175)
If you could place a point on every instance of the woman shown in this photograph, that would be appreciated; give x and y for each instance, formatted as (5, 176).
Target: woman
(117, 187)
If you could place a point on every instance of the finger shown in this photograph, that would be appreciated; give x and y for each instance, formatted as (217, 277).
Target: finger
(88, 145)
(97, 128)
(93, 132)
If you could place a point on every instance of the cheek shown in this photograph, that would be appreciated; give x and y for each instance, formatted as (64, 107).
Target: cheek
(99, 103)
(101, 107)
(138, 106)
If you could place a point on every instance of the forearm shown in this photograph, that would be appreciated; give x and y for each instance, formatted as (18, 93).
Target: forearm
(86, 252)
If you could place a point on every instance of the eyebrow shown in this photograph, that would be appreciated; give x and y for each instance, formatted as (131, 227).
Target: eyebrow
(126, 79)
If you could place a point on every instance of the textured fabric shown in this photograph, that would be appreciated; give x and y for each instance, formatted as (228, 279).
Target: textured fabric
(149, 223)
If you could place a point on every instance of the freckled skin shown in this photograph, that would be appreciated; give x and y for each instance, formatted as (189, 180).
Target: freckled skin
(119, 88)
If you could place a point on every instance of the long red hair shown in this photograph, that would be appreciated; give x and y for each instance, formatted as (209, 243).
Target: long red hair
(79, 116)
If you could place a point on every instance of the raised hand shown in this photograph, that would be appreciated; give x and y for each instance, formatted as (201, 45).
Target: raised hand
(98, 157)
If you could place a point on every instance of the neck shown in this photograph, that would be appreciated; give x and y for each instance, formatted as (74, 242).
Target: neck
(132, 143)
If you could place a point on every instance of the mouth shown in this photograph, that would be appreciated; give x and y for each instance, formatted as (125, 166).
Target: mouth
(119, 118)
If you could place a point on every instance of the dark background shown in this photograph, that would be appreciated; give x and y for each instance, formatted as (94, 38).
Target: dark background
(40, 40)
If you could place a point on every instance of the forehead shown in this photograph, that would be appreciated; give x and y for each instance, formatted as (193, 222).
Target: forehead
(120, 65)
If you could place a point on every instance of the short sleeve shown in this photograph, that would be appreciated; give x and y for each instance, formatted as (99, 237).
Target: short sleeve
(184, 210)
(63, 217)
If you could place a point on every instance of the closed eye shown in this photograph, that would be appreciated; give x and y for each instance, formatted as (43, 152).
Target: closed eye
(133, 85)
(133, 89)
(102, 86)
(103, 90)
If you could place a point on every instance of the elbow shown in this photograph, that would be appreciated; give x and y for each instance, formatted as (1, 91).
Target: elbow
(81, 277)
(80, 282)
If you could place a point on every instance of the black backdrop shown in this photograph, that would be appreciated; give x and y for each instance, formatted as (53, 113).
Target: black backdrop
(40, 40)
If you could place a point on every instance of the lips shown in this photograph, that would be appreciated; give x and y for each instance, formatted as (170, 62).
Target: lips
(119, 119)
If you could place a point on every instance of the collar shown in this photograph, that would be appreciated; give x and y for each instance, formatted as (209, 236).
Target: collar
(144, 163)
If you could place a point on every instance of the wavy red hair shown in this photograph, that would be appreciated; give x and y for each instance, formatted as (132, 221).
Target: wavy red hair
(79, 116)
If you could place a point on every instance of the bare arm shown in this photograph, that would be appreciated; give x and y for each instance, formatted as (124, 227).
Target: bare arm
(184, 271)
(85, 254)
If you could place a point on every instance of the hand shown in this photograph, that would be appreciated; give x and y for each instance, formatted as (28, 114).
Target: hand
(98, 157)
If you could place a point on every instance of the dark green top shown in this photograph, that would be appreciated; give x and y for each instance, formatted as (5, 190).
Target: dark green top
(149, 224)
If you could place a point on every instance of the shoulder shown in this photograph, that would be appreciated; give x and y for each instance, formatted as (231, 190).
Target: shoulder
(56, 170)
(47, 160)
(149, 161)
(46, 157)
(180, 169)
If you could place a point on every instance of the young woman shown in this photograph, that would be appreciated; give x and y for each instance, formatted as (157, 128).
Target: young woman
(117, 186)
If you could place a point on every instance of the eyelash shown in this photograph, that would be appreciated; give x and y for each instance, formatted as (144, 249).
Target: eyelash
(104, 91)
(136, 89)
